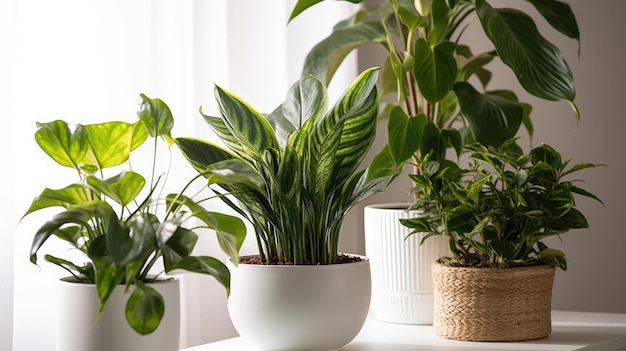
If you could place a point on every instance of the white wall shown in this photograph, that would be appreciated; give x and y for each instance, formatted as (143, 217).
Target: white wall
(596, 278)
(6, 180)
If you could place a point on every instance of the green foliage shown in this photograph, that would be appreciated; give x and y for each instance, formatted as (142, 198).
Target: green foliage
(294, 172)
(430, 70)
(122, 228)
(497, 212)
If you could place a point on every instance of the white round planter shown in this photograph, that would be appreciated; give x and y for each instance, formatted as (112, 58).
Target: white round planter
(295, 308)
(402, 285)
(77, 305)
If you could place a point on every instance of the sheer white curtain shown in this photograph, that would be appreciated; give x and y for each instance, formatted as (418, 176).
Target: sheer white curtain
(87, 61)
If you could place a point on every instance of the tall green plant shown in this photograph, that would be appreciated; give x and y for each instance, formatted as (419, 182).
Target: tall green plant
(294, 172)
(122, 227)
(441, 84)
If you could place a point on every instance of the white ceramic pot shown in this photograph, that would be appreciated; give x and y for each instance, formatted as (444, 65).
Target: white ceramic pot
(402, 285)
(76, 311)
(304, 307)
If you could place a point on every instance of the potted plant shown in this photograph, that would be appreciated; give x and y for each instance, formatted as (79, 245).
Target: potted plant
(496, 214)
(443, 101)
(294, 174)
(123, 234)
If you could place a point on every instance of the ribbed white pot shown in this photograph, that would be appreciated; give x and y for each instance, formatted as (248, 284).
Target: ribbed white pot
(297, 308)
(77, 305)
(402, 285)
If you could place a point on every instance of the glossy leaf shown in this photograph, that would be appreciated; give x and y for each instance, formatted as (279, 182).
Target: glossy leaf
(77, 215)
(71, 195)
(200, 153)
(383, 165)
(230, 230)
(351, 124)
(440, 25)
(155, 116)
(435, 68)
(491, 118)
(135, 239)
(178, 246)
(306, 98)
(85, 271)
(404, 134)
(122, 188)
(537, 63)
(247, 126)
(559, 15)
(65, 145)
(109, 144)
(144, 309)
(325, 57)
(205, 265)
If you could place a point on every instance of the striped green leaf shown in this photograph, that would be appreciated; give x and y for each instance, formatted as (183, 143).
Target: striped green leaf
(351, 125)
(200, 153)
(246, 124)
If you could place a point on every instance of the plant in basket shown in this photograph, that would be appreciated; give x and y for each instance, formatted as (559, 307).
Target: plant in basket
(293, 173)
(496, 215)
(127, 234)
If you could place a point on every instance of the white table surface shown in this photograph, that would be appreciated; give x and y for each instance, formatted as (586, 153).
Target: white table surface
(586, 331)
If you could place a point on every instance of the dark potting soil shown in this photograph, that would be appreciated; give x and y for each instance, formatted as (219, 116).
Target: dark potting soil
(341, 258)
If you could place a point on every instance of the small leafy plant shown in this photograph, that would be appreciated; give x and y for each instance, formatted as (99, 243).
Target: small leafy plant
(123, 228)
(294, 171)
(498, 212)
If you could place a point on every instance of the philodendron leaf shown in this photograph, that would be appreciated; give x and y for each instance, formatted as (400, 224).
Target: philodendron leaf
(79, 215)
(435, 68)
(179, 246)
(230, 230)
(83, 273)
(108, 274)
(538, 64)
(144, 308)
(155, 116)
(439, 21)
(133, 240)
(305, 98)
(205, 265)
(140, 134)
(66, 146)
(247, 125)
(302, 5)
(492, 119)
(404, 134)
(110, 144)
(71, 195)
(325, 57)
(383, 165)
(122, 188)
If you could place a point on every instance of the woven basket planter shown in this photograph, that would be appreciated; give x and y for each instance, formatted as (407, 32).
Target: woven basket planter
(493, 304)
